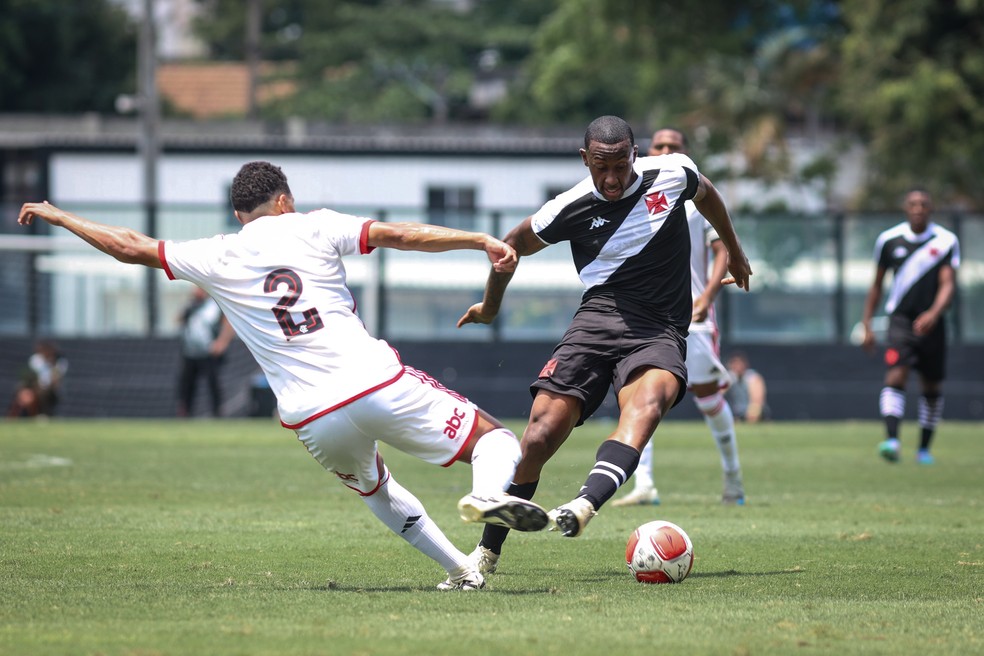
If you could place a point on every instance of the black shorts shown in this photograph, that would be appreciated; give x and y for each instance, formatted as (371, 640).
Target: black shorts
(603, 346)
(926, 353)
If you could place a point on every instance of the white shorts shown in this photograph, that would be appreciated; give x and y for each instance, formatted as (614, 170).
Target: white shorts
(704, 361)
(414, 414)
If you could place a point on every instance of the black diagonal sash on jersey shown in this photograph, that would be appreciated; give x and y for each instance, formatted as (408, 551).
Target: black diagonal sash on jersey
(923, 261)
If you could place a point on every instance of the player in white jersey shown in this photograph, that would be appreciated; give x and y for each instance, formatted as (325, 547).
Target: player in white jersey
(627, 230)
(707, 377)
(923, 257)
(281, 283)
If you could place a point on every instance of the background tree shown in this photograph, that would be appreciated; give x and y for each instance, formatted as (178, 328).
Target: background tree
(65, 56)
(912, 83)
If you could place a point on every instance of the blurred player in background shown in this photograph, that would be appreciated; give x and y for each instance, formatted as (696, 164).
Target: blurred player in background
(281, 283)
(923, 257)
(205, 337)
(627, 226)
(747, 393)
(706, 375)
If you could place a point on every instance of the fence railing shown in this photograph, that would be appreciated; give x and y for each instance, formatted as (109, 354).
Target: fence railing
(811, 274)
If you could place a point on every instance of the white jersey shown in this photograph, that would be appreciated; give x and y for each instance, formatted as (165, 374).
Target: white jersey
(281, 283)
(702, 235)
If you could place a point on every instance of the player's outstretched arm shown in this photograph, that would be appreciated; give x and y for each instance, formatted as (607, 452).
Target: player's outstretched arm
(126, 245)
(710, 204)
(525, 242)
(437, 239)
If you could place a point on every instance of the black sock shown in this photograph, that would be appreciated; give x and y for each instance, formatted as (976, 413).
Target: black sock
(616, 462)
(926, 439)
(494, 536)
(892, 426)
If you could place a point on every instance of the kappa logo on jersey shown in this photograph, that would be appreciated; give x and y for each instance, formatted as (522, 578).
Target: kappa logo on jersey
(656, 202)
(597, 222)
(452, 425)
(900, 252)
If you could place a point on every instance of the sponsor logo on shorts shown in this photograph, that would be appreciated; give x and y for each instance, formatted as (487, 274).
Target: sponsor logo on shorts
(453, 424)
(548, 369)
(891, 357)
(347, 477)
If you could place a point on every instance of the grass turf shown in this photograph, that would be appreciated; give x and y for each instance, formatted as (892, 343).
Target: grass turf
(225, 537)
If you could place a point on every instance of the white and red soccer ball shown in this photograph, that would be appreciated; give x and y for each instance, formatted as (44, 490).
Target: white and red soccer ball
(659, 552)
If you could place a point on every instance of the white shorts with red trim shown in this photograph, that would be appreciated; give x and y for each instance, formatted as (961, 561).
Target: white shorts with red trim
(414, 414)
(704, 362)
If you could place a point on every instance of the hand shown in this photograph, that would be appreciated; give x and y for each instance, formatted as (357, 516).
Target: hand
(700, 310)
(924, 323)
(44, 211)
(868, 339)
(502, 256)
(476, 314)
(740, 270)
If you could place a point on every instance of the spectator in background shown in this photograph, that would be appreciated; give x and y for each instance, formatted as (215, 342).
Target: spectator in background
(747, 393)
(205, 336)
(39, 388)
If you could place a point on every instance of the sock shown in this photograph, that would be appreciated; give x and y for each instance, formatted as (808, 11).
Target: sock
(494, 536)
(615, 464)
(494, 461)
(644, 470)
(404, 514)
(717, 413)
(891, 405)
(930, 413)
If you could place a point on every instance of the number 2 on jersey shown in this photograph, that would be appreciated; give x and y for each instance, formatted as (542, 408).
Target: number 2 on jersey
(312, 320)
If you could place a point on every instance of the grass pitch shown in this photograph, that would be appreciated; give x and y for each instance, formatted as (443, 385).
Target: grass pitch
(200, 537)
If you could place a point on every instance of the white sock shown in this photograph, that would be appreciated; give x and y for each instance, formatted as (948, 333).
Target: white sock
(404, 514)
(494, 461)
(644, 470)
(717, 413)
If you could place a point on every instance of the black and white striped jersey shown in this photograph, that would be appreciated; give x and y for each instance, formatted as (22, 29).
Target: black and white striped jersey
(915, 260)
(636, 249)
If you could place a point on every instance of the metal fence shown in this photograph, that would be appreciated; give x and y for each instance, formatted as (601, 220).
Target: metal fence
(811, 274)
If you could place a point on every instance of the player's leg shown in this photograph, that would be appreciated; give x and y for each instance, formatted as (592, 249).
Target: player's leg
(643, 401)
(899, 356)
(719, 418)
(931, 364)
(187, 384)
(339, 442)
(494, 453)
(644, 490)
(211, 365)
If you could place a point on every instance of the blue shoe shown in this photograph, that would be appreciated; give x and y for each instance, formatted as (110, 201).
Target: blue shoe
(924, 457)
(889, 450)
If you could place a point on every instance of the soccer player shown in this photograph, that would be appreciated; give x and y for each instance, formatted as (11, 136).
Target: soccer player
(627, 226)
(707, 376)
(281, 283)
(923, 257)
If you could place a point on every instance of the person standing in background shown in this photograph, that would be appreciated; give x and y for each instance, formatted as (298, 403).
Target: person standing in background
(205, 336)
(923, 257)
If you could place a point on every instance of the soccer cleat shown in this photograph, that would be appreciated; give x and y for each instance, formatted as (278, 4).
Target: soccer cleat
(465, 578)
(924, 457)
(640, 496)
(571, 517)
(505, 510)
(889, 450)
(484, 560)
(734, 489)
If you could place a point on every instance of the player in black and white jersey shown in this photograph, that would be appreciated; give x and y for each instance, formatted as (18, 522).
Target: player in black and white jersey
(923, 257)
(281, 282)
(627, 228)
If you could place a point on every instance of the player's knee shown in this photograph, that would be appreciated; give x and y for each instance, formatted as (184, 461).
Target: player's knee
(710, 405)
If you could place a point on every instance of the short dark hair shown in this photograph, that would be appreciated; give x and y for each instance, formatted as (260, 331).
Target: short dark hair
(608, 130)
(257, 183)
(683, 135)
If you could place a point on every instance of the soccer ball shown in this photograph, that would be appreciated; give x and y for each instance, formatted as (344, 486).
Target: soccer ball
(659, 552)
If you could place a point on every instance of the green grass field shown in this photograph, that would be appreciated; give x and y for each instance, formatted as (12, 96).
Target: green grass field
(199, 537)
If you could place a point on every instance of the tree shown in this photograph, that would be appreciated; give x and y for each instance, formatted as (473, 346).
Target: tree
(913, 84)
(65, 57)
